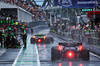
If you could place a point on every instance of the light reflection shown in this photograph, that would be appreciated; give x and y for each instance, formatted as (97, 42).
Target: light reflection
(70, 63)
(39, 55)
(44, 45)
(80, 64)
(39, 45)
(59, 64)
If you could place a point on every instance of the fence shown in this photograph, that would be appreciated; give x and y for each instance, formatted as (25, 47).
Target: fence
(93, 38)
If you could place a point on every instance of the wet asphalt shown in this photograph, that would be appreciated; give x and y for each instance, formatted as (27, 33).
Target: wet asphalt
(44, 51)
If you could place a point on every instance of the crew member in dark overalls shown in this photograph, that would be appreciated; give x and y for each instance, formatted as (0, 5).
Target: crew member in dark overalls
(8, 38)
(8, 41)
(24, 35)
(1, 37)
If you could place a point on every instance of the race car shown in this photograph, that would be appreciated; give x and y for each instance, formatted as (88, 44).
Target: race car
(41, 39)
(69, 51)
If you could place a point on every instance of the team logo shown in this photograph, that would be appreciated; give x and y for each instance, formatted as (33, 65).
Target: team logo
(66, 2)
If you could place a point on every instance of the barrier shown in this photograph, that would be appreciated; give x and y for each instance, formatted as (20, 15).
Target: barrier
(94, 36)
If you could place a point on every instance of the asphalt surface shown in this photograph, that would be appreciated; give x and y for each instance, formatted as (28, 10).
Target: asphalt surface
(44, 51)
(9, 56)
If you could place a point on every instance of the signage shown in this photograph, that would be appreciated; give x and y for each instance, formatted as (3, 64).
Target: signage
(75, 3)
(6, 22)
(87, 10)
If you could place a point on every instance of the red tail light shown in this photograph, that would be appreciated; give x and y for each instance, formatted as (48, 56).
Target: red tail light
(70, 54)
(34, 37)
(59, 48)
(44, 37)
(39, 40)
(80, 48)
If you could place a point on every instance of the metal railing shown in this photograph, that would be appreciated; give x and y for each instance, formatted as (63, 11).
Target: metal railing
(93, 38)
(79, 35)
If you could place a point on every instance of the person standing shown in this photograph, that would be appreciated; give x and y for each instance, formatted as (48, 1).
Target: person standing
(1, 37)
(24, 35)
(8, 40)
(31, 30)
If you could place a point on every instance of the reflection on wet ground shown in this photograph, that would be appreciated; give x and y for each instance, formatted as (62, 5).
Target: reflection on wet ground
(45, 56)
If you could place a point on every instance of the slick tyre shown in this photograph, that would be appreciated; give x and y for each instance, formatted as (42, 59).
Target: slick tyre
(85, 55)
(51, 39)
(47, 41)
(32, 41)
(55, 54)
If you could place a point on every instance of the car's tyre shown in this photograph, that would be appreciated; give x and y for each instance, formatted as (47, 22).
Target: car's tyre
(51, 39)
(47, 41)
(32, 41)
(55, 54)
(85, 55)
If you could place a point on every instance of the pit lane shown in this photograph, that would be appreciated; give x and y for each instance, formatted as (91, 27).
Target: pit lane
(44, 51)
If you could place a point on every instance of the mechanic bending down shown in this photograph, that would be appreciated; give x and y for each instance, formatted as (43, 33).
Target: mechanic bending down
(10, 39)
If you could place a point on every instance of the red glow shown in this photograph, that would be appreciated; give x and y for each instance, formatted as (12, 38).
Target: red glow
(39, 40)
(80, 48)
(70, 63)
(39, 45)
(59, 64)
(59, 48)
(70, 54)
(44, 46)
(44, 37)
(80, 64)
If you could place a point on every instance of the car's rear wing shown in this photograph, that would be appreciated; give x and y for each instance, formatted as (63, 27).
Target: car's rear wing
(70, 44)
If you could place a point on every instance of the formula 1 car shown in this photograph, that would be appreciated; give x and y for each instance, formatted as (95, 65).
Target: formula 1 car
(69, 51)
(41, 39)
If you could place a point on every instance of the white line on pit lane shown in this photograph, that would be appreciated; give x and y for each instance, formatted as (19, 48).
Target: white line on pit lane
(38, 61)
(95, 55)
(15, 61)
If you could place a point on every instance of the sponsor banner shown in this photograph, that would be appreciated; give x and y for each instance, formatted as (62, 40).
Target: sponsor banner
(76, 3)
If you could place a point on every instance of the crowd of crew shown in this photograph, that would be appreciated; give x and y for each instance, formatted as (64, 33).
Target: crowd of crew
(87, 27)
(8, 36)
(65, 28)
